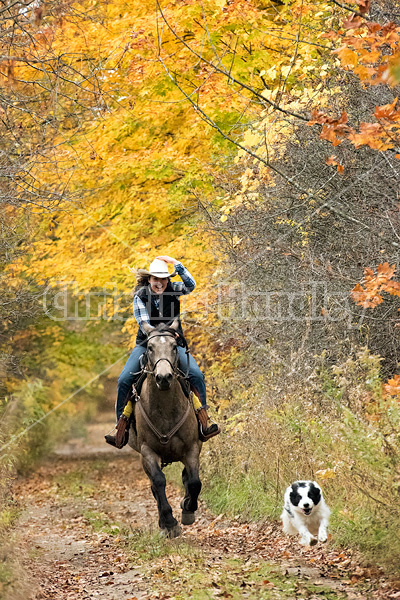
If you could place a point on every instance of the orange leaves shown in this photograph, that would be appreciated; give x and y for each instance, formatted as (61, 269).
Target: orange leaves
(369, 295)
(372, 135)
(365, 298)
(353, 22)
(393, 288)
(378, 136)
(332, 160)
(368, 56)
(7, 71)
(392, 387)
(364, 73)
(348, 58)
(356, 20)
(368, 48)
(333, 130)
(329, 133)
(388, 112)
(319, 117)
(385, 272)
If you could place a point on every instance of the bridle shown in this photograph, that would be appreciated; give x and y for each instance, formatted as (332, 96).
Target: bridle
(169, 332)
(164, 438)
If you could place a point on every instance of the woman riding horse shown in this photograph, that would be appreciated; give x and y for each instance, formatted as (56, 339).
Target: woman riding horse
(156, 301)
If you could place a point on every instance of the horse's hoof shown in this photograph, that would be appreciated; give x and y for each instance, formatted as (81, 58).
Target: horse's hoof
(188, 518)
(175, 532)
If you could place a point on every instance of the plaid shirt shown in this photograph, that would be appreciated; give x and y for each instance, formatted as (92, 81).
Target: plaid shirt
(183, 287)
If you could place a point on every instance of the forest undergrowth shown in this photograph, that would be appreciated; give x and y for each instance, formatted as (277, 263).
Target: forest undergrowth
(337, 429)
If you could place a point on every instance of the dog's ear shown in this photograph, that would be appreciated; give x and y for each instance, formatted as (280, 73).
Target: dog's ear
(294, 494)
(314, 492)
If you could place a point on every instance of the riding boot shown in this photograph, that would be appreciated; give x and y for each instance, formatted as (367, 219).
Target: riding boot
(121, 436)
(206, 431)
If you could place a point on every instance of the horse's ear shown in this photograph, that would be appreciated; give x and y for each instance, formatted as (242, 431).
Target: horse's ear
(175, 324)
(147, 328)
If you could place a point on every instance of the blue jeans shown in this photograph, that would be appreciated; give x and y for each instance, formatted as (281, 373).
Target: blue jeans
(126, 379)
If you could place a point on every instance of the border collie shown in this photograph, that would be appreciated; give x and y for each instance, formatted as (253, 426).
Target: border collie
(305, 512)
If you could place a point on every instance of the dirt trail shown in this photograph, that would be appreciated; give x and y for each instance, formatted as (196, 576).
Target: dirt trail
(89, 530)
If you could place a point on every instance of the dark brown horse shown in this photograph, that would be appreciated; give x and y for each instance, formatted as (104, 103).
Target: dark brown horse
(166, 426)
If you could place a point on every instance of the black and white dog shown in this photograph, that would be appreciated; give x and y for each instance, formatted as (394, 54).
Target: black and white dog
(305, 512)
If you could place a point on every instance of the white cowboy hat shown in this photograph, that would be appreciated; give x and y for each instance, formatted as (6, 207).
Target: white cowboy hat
(158, 268)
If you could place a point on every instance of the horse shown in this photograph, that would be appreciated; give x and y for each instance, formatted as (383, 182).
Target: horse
(166, 427)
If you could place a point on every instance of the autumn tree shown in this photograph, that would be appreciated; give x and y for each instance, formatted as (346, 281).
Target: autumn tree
(312, 196)
(269, 80)
(47, 95)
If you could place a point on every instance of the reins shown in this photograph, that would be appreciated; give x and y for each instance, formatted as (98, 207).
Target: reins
(164, 438)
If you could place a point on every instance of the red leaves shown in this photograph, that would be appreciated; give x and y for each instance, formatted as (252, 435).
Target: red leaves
(363, 6)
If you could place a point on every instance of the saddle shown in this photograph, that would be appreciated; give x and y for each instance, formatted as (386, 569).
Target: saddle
(137, 388)
(129, 410)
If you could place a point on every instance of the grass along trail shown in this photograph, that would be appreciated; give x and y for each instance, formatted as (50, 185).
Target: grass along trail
(88, 529)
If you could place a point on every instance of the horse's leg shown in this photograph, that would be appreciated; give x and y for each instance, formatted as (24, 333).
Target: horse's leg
(192, 483)
(151, 466)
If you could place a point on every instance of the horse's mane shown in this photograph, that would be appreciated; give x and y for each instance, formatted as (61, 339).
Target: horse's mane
(162, 327)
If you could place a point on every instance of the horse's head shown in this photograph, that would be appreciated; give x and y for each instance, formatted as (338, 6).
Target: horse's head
(162, 352)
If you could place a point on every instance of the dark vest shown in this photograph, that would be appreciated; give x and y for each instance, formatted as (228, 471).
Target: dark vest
(169, 308)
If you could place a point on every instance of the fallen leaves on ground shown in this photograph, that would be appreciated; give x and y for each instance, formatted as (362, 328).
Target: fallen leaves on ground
(89, 530)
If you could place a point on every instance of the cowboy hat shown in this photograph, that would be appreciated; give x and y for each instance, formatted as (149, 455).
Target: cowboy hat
(158, 268)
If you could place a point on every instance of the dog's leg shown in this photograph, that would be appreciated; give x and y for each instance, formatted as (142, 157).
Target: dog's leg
(288, 527)
(306, 539)
(322, 531)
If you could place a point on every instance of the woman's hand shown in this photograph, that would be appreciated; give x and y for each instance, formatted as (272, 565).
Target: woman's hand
(168, 259)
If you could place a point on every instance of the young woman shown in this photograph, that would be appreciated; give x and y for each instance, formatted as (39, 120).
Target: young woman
(156, 301)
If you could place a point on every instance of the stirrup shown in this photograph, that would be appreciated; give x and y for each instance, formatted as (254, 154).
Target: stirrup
(121, 437)
(111, 439)
(210, 432)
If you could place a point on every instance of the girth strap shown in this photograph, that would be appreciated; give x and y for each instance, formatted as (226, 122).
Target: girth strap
(163, 438)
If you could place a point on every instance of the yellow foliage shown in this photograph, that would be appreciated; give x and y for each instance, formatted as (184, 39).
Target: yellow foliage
(323, 474)
(138, 165)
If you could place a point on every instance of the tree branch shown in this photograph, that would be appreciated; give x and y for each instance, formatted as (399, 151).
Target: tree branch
(229, 75)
